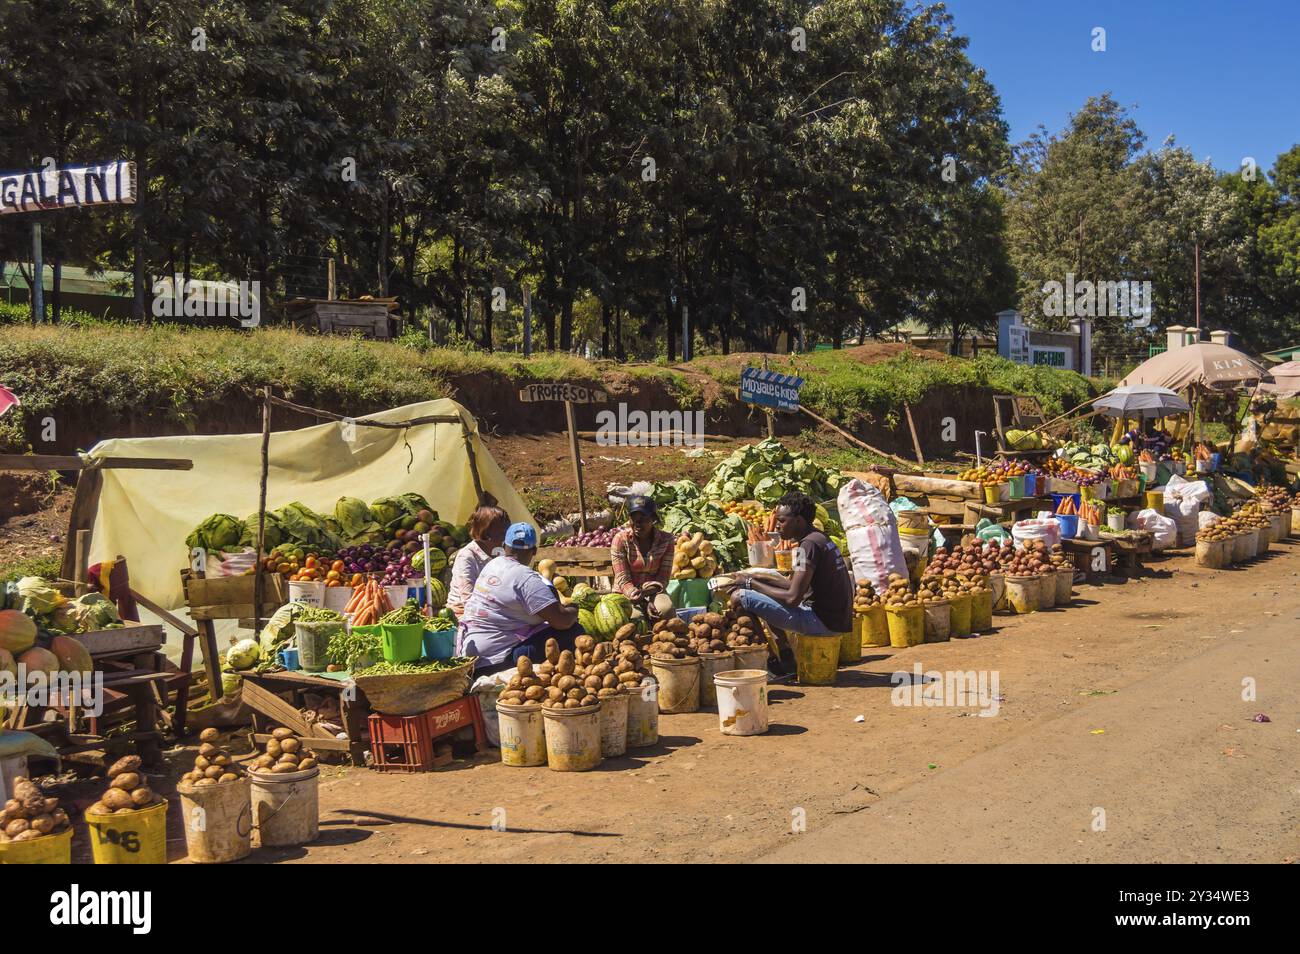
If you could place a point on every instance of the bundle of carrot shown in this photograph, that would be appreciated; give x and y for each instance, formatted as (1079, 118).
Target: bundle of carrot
(368, 603)
(756, 534)
(1089, 514)
(1066, 507)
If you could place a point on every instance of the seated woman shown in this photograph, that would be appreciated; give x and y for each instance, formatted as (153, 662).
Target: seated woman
(514, 609)
(487, 531)
(642, 554)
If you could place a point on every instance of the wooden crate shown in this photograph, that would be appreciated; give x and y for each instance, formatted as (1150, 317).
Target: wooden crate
(231, 597)
(579, 562)
(132, 637)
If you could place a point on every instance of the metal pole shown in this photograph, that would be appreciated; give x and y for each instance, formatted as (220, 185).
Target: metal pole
(1198, 291)
(259, 580)
(330, 286)
(38, 276)
(528, 322)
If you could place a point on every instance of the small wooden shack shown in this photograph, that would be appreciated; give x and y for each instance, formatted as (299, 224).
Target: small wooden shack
(369, 317)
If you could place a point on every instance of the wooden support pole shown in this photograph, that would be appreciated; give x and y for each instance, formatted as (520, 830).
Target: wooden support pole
(473, 462)
(911, 426)
(259, 578)
(85, 504)
(82, 545)
(852, 439)
(577, 464)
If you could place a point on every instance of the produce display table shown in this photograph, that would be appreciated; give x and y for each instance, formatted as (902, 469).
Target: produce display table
(1005, 511)
(1085, 553)
(262, 692)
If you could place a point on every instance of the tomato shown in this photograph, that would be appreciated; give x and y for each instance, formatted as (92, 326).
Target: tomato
(284, 568)
(332, 575)
(337, 566)
(311, 563)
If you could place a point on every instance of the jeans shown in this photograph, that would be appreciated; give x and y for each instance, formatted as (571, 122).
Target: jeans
(800, 619)
(534, 647)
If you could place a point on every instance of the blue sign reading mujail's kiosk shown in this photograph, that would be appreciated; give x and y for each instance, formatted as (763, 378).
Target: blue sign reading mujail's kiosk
(770, 389)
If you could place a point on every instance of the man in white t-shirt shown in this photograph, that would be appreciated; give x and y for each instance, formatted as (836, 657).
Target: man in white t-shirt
(514, 609)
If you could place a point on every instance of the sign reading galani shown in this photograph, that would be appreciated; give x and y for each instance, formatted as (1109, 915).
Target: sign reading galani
(71, 187)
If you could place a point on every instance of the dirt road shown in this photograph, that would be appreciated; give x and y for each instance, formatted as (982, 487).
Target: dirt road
(1180, 769)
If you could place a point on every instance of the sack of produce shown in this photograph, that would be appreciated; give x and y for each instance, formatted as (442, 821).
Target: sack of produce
(1164, 531)
(1047, 530)
(871, 530)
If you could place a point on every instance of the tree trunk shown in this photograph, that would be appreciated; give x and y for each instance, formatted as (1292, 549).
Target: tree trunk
(619, 352)
(385, 225)
(672, 329)
(487, 320)
(604, 328)
(566, 315)
(56, 293)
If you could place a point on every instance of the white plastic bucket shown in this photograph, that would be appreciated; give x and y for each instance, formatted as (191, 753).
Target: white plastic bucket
(337, 597)
(938, 621)
(643, 714)
(679, 683)
(523, 742)
(286, 808)
(742, 701)
(751, 657)
(613, 725)
(309, 592)
(1047, 590)
(572, 738)
(1064, 586)
(218, 821)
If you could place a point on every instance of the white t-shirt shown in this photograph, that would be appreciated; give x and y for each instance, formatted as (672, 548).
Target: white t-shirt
(503, 609)
(469, 563)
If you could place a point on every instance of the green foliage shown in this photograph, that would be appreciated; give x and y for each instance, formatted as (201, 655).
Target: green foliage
(49, 567)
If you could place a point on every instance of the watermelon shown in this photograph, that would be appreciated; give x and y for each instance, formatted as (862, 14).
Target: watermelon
(611, 613)
(17, 631)
(437, 561)
(437, 592)
(585, 597)
(587, 620)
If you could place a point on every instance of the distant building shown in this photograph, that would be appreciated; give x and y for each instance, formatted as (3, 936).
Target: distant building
(1070, 350)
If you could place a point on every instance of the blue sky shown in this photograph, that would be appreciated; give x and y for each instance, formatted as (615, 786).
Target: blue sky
(1222, 77)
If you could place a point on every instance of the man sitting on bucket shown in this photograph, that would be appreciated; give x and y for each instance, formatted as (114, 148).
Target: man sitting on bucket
(817, 598)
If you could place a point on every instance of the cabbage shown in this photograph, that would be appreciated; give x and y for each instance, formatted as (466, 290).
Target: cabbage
(94, 611)
(220, 531)
(243, 654)
(769, 490)
(386, 509)
(39, 596)
(274, 533)
(354, 518)
(756, 472)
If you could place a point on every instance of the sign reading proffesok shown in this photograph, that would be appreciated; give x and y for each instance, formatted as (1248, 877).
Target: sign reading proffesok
(770, 389)
(577, 393)
(110, 183)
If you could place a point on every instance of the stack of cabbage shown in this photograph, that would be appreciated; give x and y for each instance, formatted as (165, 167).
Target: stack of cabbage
(766, 471)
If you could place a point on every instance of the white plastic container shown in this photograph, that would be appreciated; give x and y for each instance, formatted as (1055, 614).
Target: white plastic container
(742, 701)
(643, 714)
(308, 592)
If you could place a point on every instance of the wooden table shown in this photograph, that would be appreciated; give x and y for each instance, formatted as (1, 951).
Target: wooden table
(262, 693)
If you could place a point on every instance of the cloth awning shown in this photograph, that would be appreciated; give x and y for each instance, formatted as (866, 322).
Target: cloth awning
(1205, 363)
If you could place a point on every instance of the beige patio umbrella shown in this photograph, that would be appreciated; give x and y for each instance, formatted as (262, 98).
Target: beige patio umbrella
(1286, 380)
(1205, 363)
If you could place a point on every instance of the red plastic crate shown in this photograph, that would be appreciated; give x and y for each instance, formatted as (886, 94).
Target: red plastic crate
(401, 743)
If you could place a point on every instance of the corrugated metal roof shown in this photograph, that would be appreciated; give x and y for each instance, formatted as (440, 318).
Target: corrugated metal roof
(73, 281)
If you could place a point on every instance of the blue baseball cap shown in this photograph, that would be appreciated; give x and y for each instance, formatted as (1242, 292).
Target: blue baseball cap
(521, 536)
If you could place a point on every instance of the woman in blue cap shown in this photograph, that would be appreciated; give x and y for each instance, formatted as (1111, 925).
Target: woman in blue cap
(514, 610)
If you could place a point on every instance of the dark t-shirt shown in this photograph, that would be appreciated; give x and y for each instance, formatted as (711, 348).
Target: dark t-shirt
(831, 594)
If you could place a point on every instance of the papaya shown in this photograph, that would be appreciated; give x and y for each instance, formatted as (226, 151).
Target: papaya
(72, 654)
(17, 631)
(39, 659)
(8, 663)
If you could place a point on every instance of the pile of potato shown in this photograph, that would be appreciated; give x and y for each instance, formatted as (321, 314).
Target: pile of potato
(1059, 559)
(865, 597)
(672, 637)
(950, 584)
(128, 789)
(1029, 561)
(30, 814)
(213, 763)
(706, 634)
(1273, 498)
(694, 558)
(284, 753)
(1224, 529)
(572, 679)
(899, 592)
(967, 558)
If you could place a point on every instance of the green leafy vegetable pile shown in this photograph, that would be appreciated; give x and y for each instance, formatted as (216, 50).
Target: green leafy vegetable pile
(766, 471)
(407, 614)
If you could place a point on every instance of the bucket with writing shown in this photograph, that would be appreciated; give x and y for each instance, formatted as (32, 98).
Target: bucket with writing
(643, 714)
(742, 701)
(613, 724)
(572, 738)
(129, 838)
(523, 743)
(46, 850)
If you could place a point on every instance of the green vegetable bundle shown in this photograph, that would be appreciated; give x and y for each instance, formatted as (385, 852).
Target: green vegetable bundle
(220, 531)
(319, 614)
(406, 615)
(766, 472)
(345, 648)
(398, 669)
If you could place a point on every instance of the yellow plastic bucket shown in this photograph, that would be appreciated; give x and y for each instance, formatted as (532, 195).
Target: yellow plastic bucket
(850, 648)
(1022, 593)
(873, 627)
(679, 683)
(981, 611)
(1156, 500)
(816, 659)
(960, 624)
(906, 625)
(46, 850)
(991, 493)
(938, 621)
(130, 838)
